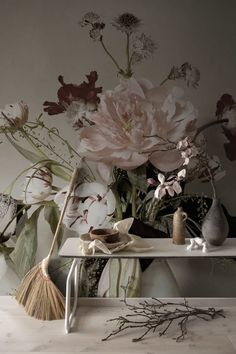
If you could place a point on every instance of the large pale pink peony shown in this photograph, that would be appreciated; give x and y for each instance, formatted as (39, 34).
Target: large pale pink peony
(137, 122)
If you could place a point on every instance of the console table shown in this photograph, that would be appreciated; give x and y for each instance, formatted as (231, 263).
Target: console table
(161, 248)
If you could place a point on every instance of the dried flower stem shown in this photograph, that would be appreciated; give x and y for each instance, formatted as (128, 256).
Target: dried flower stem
(119, 213)
(133, 200)
(39, 163)
(208, 125)
(128, 70)
(212, 182)
(160, 315)
(64, 141)
(49, 148)
(164, 81)
(31, 142)
(120, 71)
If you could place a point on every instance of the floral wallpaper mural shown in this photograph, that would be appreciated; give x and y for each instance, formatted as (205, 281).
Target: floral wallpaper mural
(141, 97)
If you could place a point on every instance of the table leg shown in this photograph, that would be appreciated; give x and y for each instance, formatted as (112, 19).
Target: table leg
(69, 314)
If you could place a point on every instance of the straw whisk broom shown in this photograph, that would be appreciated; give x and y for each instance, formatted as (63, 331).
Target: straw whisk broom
(37, 292)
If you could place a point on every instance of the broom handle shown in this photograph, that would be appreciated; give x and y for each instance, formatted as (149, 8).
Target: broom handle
(70, 188)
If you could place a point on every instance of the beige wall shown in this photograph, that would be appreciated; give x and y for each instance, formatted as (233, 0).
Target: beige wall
(40, 39)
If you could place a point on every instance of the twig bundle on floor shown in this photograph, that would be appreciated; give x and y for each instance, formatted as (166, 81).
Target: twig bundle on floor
(159, 316)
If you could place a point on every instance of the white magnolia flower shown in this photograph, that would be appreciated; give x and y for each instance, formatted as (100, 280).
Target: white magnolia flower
(169, 186)
(14, 116)
(92, 206)
(38, 185)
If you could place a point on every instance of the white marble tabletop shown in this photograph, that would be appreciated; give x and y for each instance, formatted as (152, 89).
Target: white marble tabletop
(20, 333)
(161, 248)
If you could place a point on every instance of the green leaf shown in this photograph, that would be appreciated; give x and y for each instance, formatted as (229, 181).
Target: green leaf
(58, 171)
(51, 215)
(24, 253)
(138, 178)
(29, 155)
(21, 223)
(5, 250)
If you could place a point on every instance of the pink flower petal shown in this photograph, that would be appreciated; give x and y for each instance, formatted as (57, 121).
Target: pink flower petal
(170, 190)
(160, 192)
(161, 178)
(166, 161)
(133, 123)
(104, 171)
(177, 187)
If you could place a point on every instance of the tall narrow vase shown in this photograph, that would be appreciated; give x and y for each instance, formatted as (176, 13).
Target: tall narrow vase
(215, 226)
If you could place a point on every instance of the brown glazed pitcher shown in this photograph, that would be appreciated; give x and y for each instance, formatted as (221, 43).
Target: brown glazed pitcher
(179, 230)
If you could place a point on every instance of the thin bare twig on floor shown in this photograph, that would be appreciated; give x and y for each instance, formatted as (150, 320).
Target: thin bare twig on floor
(159, 315)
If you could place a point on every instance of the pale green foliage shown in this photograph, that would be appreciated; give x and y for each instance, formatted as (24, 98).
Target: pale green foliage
(24, 253)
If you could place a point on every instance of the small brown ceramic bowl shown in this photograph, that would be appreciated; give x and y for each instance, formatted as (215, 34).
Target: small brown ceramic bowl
(105, 235)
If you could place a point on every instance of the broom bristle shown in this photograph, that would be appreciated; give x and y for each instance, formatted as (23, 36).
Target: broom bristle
(40, 297)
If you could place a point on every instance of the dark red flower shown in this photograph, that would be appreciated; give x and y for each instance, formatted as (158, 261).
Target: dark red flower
(226, 109)
(69, 93)
(225, 102)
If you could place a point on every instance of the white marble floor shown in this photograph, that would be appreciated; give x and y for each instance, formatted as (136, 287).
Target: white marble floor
(22, 334)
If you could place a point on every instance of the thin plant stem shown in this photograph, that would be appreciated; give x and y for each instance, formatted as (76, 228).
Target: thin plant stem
(212, 182)
(70, 148)
(164, 81)
(49, 148)
(121, 71)
(50, 131)
(9, 188)
(119, 213)
(133, 200)
(31, 142)
(190, 219)
(127, 50)
(128, 70)
(208, 125)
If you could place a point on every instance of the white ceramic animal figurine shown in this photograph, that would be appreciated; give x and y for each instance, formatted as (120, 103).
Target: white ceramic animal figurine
(197, 243)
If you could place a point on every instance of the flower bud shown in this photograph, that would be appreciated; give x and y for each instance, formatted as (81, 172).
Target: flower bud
(38, 185)
(14, 116)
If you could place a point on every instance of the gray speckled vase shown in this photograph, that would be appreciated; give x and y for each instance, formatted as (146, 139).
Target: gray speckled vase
(215, 226)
